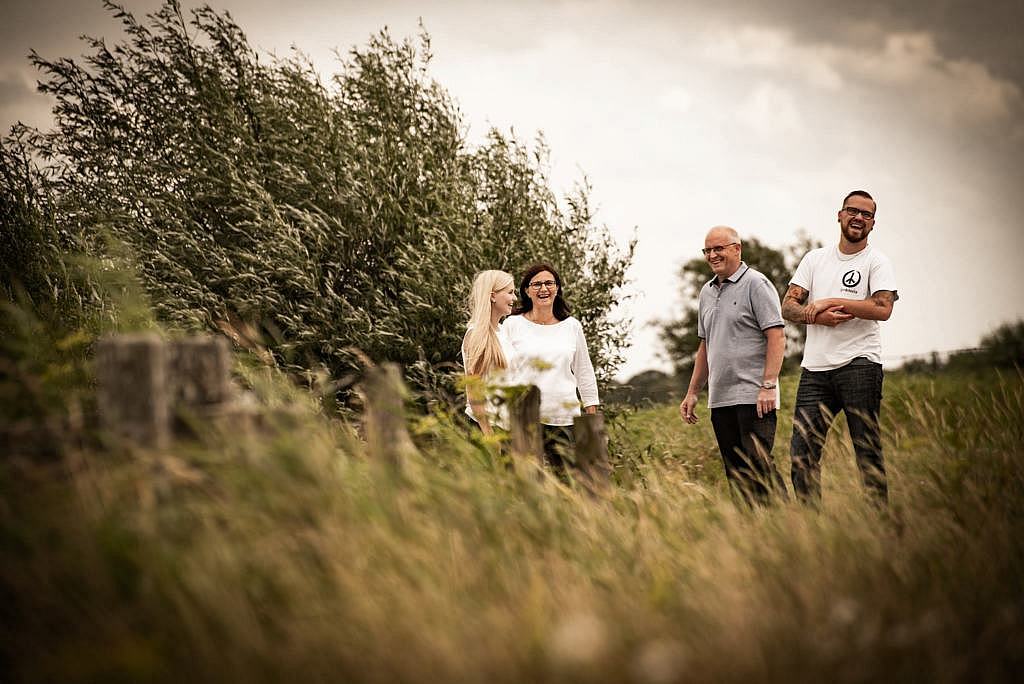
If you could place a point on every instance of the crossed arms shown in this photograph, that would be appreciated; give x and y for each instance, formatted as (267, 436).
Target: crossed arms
(835, 310)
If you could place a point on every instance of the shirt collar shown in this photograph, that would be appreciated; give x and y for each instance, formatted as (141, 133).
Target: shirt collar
(740, 272)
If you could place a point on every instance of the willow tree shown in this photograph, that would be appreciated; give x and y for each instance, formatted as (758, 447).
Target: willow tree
(338, 215)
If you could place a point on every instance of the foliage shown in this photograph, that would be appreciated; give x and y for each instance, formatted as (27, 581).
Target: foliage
(54, 301)
(1000, 348)
(36, 254)
(647, 387)
(679, 335)
(1005, 345)
(334, 216)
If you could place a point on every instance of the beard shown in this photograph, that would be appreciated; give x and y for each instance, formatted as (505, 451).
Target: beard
(854, 238)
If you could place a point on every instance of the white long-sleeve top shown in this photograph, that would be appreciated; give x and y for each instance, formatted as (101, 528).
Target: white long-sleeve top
(555, 359)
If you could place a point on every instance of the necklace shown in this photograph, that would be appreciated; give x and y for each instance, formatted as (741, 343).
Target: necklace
(545, 322)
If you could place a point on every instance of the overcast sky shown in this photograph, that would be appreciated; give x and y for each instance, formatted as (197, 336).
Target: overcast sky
(688, 115)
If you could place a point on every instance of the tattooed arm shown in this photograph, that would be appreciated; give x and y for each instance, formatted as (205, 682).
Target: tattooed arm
(830, 312)
(877, 307)
(793, 304)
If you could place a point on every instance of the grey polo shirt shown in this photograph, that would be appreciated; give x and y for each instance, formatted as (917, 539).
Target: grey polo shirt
(733, 318)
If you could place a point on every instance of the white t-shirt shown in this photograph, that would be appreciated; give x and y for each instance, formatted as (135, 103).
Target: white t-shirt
(555, 359)
(494, 398)
(826, 272)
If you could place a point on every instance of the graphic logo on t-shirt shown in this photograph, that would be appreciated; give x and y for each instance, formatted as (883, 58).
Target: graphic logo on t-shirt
(851, 278)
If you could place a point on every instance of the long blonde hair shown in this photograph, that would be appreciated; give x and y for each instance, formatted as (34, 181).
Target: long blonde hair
(483, 351)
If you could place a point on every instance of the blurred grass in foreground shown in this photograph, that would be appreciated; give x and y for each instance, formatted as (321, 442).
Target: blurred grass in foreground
(291, 557)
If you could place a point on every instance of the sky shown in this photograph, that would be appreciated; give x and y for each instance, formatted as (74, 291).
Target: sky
(687, 115)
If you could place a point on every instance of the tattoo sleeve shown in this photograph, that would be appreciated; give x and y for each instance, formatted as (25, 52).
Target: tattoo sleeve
(883, 301)
(793, 304)
(883, 298)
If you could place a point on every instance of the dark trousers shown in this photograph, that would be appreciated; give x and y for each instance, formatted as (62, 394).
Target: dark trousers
(746, 442)
(855, 388)
(559, 447)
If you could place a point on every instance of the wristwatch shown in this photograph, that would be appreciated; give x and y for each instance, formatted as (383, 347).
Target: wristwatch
(767, 384)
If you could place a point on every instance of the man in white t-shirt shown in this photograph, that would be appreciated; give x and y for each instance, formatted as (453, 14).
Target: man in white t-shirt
(841, 293)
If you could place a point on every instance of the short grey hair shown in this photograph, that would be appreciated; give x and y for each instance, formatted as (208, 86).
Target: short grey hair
(730, 233)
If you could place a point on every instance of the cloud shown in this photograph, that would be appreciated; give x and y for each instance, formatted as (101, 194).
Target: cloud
(903, 65)
(20, 101)
(773, 50)
(959, 91)
(14, 87)
(770, 109)
(676, 99)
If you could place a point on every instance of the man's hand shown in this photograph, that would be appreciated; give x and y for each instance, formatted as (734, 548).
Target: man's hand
(686, 409)
(828, 312)
(819, 305)
(832, 316)
(765, 402)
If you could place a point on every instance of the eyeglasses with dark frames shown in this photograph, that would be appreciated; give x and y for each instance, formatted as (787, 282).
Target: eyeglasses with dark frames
(853, 211)
(717, 249)
(550, 284)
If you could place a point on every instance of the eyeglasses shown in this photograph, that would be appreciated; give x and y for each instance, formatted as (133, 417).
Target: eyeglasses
(853, 211)
(550, 284)
(718, 249)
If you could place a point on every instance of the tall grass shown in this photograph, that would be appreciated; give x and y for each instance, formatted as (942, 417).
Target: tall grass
(289, 555)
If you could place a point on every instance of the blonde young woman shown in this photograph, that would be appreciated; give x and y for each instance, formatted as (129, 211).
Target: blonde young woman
(485, 354)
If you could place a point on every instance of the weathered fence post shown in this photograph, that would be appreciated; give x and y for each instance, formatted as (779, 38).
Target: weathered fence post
(199, 371)
(133, 398)
(592, 450)
(524, 424)
(199, 381)
(387, 438)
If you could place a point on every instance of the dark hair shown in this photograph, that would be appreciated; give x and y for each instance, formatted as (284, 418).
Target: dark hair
(560, 308)
(861, 193)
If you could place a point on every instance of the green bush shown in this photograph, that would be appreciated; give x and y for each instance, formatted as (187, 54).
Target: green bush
(1004, 346)
(335, 216)
(34, 249)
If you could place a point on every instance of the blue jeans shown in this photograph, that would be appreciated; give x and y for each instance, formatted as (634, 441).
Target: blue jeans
(855, 388)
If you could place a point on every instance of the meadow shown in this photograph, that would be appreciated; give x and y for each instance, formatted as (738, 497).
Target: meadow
(319, 220)
(287, 554)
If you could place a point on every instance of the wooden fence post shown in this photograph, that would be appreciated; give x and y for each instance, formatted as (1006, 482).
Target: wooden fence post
(199, 382)
(387, 437)
(199, 371)
(592, 450)
(133, 398)
(524, 423)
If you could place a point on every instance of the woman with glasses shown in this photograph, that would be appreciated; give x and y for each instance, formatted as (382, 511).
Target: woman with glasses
(551, 352)
(485, 354)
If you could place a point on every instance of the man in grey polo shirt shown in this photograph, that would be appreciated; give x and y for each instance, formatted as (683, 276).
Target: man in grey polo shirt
(742, 342)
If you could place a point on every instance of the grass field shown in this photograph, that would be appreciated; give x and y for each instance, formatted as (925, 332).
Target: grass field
(292, 557)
